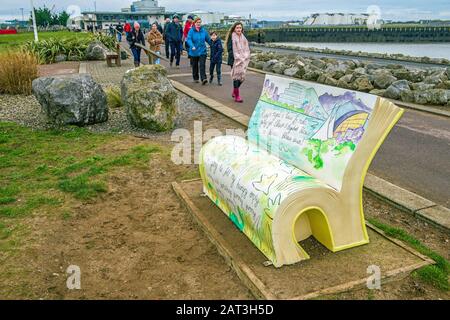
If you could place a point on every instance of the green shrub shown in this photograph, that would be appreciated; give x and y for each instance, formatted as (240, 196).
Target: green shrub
(74, 48)
(18, 69)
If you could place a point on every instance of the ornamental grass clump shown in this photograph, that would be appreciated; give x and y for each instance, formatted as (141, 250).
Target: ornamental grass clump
(17, 71)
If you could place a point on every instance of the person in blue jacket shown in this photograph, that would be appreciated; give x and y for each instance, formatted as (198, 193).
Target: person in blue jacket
(197, 39)
(174, 33)
(216, 58)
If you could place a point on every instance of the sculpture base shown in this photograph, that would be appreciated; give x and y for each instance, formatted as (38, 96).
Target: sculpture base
(325, 273)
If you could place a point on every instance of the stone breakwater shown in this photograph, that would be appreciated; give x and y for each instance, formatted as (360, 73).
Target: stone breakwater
(429, 86)
(362, 54)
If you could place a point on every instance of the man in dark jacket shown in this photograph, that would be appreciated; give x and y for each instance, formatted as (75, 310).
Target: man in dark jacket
(119, 29)
(134, 37)
(166, 39)
(175, 34)
(216, 58)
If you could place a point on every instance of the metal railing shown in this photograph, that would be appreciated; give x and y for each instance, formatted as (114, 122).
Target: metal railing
(151, 54)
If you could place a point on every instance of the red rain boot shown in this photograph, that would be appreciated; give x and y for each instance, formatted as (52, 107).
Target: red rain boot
(237, 97)
(233, 93)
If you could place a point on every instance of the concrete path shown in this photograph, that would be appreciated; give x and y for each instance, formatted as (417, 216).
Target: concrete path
(415, 156)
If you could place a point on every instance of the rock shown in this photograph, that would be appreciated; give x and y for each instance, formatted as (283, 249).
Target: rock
(96, 51)
(327, 80)
(60, 58)
(149, 98)
(421, 86)
(300, 62)
(318, 63)
(279, 67)
(74, 99)
(290, 72)
(395, 90)
(433, 97)
(336, 71)
(259, 65)
(383, 79)
(345, 81)
(363, 84)
(312, 75)
(378, 92)
(436, 78)
(394, 66)
(410, 75)
(373, 66)
(444, 85)
(268, 66)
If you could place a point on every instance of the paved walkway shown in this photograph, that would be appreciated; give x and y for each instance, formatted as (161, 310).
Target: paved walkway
(415, 156)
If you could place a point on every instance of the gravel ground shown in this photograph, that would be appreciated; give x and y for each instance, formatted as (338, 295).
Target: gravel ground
(26, 111)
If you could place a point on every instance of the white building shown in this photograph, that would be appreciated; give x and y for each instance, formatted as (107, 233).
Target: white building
(207, 17)
(333, 19)
(149, 6)
(145, 12)
(232, 19)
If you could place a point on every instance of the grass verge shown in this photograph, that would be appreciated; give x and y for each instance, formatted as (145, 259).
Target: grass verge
(436, 275)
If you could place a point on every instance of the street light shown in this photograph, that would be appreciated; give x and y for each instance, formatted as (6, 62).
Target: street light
(36, 39)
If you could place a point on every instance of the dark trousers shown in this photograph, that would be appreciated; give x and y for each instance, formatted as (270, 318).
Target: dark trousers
(237, 84)
(218, 67)
(199, 64)
(136, 54)
(167, 45)
(175, 51)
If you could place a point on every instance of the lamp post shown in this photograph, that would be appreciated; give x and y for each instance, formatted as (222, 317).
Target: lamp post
(36, 39)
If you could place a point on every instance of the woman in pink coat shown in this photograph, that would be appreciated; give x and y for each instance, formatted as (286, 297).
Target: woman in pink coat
(238, 57)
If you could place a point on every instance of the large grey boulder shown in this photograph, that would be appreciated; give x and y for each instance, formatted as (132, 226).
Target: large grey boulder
(96, 51)
(383, 79)
(395, 90)
(74, 99)
(149, 98)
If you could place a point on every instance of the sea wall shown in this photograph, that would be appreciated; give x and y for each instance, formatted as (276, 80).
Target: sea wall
(387, 33)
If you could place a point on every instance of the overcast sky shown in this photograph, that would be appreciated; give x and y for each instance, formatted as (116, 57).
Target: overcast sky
(260, 9)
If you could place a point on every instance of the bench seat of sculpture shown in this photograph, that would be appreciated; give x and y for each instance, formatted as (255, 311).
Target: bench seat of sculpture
(301, 171)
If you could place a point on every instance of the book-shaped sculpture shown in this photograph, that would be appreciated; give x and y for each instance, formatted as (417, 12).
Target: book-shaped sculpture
(302, 169)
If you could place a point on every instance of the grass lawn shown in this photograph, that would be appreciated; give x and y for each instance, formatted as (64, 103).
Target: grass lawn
(44, 172)
(11, 41)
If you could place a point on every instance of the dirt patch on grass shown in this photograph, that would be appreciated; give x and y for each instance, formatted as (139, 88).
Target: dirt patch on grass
(134, 242)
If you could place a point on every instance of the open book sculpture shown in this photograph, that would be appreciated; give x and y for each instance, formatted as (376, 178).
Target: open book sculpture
(302, 169)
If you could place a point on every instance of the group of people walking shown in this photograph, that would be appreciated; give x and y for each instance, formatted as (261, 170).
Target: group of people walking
(193, 38)
(196, 38)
